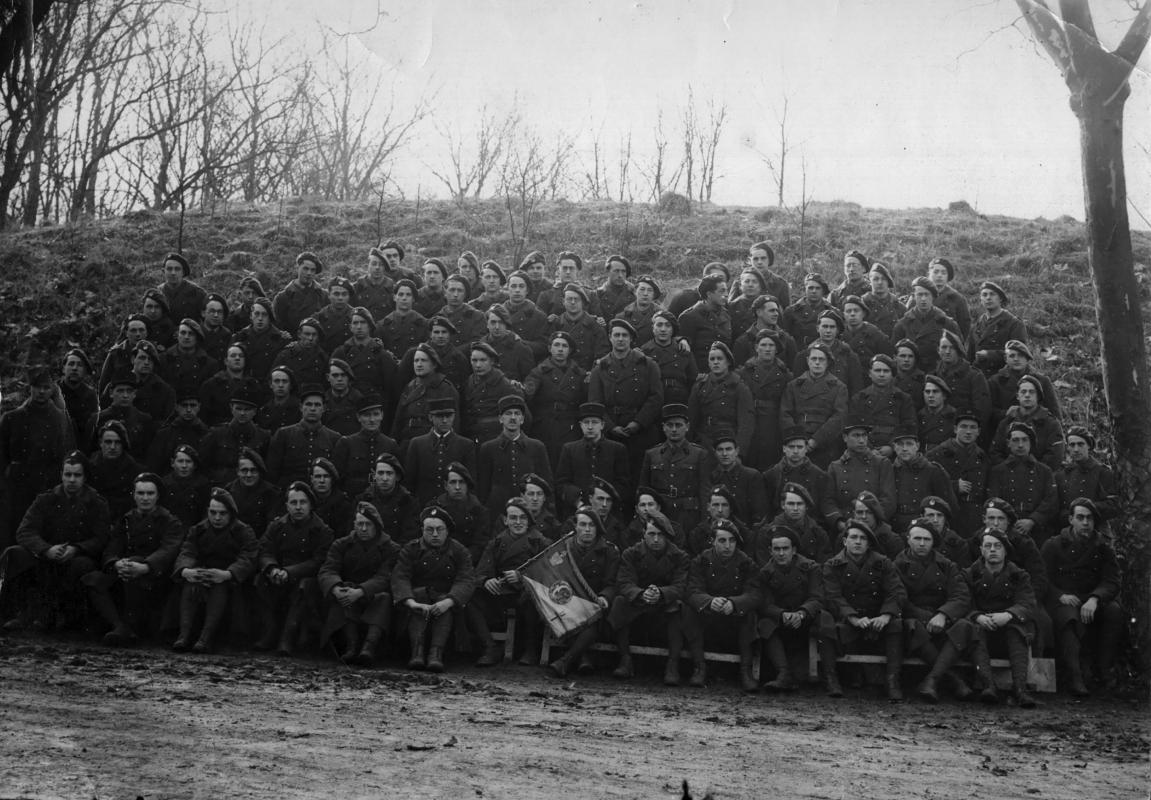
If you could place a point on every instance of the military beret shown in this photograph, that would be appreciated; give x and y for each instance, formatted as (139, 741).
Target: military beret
(778, 531)
(157, 297)
(82, 356)
(591, 410)
(708, 284)
(800, 491)
(366, 316)
(497, 269)
(440, 321)
(214, 297)
(265, 304)
(910, 345)
(793, 433)
(883, 358)
(310, 256)
(620, 259)
(1088, 504)
(500, 311)
(1022, 427)
(652, 493)
(723, 348)
(858, 256)
(185, 267)
(994, 287)
(152, 478)
(674, 411)
(568, 255)
(922, 282)
(585, 510)
(725, 525)
(865, 528)
(661, 524)
(624, 324)
(148, 349)
(668, 317)
(713, 267)
(969, 414)
(768, 333)
(856, 422)
(534, 257)
(292, 382)
(999, 504)
(1080, 432)
(1001, 536)
(75, 458)
(405, 283)
(246, 393)
(194, 327)
(956, 342)
(523, 276)
(441, 405)
(904, 432)
(392, 244)
(117, 427)
(189, 451)
(253, 283)
(302, 486)
(342, 366)
(371, 513)
(937, 381)
(815, 277)
(725, 435)
(439, 513)
(38, 375)
(567, 337)
(721, 490)
(763, 299)
(369, 402)
(248, 454)
(376, 252)
(884, 272)
(310, 322)
(429, 351)
(224, 498)
(462, 471)
(822, 348)
(440, 266)
(343, 283)
(471, 258)
(871, 502)
(312, 390)
(518, 502)
(327, 466)
(924, 524)
(656, 289)
(1029, 380)
(856, 300)
(943, 262)
(510, 402)
(460, 279)
(391, 460)
(579, 290)
(606, 487)
(484, 348)
(935, 503)
(766, 248)
(755, 273)
(1019, 347)
(833, 315)
(137, 317)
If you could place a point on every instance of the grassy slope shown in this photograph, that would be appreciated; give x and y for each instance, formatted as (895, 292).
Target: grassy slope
(75, 284)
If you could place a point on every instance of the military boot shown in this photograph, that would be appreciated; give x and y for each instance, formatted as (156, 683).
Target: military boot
(1069, 652)
(982, 658)
(928, 688)
(213, 615)
(188, 607)
(784, 681)
(893, 650)
(747, 679)
(828, 654)
(291, 629)
(1020, 660)
(625, 669)
(435, 659)
(351, 642)
(417, 626)
(121, 634)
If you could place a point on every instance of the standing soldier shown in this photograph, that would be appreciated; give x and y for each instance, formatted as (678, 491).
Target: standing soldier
(817, 402)
(882, 303)
(617, 292)
(587, 333)
(882, 405)
(1083, 476)
(525, 318)
(429, 454)
(1027, 484)
(708, 320)
(262, 340)
(678, 470)
(860, 469)
(80, 399)
(354, 455)
(968, 385)
(374, 288)
(855, 282)
(924, 323)
(592, 457)
(941, 273)
(967, 465)
(677, 368)
(915, 478)
(374, 365)
(628, 385)
(800, 317)
(504, 461)
(301, 298)
(555, 389)
(185, 299)
(294, 447)
(995, 327)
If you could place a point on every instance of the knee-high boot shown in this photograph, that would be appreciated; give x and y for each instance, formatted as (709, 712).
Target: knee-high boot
(928, 689)
(981, 656)
(189, 603)
(582, 641)
(417, 627)
(1069, 652)
(214, 610)
(441, 630)
(893, 650)
(367, 654)
(625, 669)
(828, 654)
(674, 650)
(1019, 657)
(101, 600)
(291, 629)
(351, 641)
(777, 655)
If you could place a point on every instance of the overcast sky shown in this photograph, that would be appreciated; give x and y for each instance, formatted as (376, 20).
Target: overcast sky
(894, 103)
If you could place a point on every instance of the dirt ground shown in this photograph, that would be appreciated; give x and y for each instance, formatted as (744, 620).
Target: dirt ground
(79, 720)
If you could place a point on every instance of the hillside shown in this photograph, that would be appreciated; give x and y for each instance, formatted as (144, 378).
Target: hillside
(75, 284)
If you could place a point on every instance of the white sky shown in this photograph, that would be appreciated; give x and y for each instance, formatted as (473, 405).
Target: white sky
(896, 103)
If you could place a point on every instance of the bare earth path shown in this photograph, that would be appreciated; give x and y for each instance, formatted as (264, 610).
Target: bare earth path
(83, 721)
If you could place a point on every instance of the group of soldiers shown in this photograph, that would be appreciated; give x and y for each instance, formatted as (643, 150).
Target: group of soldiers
(875, 472)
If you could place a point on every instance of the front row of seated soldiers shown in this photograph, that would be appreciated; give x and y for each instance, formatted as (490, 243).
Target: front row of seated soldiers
(919, 602)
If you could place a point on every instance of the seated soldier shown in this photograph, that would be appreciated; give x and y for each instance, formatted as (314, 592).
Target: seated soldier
(1081, 595)
(218, 554)
(798, 508)
(291, 552)
(721, 600)
(59, 539)
(652, 582)
(354, 582)
(136, 563)
(790, 593)
(934, 609)
(598, 561)
(864, 599)
(647, 500)
(1002, 610)
(499, 587)
(432, 578)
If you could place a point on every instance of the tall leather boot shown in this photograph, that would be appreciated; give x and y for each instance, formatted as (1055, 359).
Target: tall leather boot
(530, 655)
(291, 629)
(828, 654)
(747, 681)
(493, 650)
(351, 642)
(1018, 655)
(777, 655)
(441, 630)
(698, 677)
(928, 688)
(417, 627)
(582, 641)
(893, 650)
(625, 669)
(1111, 627)
(120, 634)
(213, 614)
(269, 620)
(981, 657)
(189, 603)
(1069, 651)
(674, 650)
(367, 654)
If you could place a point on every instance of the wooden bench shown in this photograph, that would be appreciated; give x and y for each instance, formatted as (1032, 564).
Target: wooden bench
(1040, 671)
(550, 641)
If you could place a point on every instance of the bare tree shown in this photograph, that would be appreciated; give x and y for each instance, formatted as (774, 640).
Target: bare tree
(659, 173)
(777, 162)
(624, 191)
(1098, 81)
(707, 138)
(531, 172)
(474, 156)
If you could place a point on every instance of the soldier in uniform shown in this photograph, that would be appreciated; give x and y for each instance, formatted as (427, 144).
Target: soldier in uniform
(525, 318)
(330, 503)
(816, 401)
(342, 398)
(307, 359)
(864, 339)
(587, 333)
(374, 288)
(59, 540)
(768, 313)
(882, 303)
(492, 283)
(1081, 596)
(136, 563)
(721, 598)
(639, 313)
(551, 300)
(262, 340)
(628, 385)
(719, 401)
(652, 582)
(473, 523)
(241, 317)
(617, 292)
(761, 257)
(374, 365)
(112, 468)
(291, 551)
(708, 320)
(216, 333)
(257, 500)
(395, 504)
(937, 600)
(1027, 484)
(865, 598)
(186, 364)
(1004, 384)
(882, 405)
(428, 455)
(857, 470)
(937, 417)
(139, 426)
(855, 281)
(515, 355)
(80, 399)
(766, 377)
(941, 272)
(790, 590)
(555, 389)
(336, 317)
(745, 484)
(294, 447)
(470, 322)
(924, 323)
(967, 465)
(686, 298)
(394, 269)
(505, 460)
(799, 515)
(429, 384)
(184, 298)
(593, 456)
(301, 298)
(430, 297)
(1084, 476)
(433, 580)
(677, 368)
(796, 467)
(908, 377)
(404, 327)
(355, 583)
(994, 328)
(354, 455)
(948, 542)
(967, 384)
(678, 469)
(221, 446)
(481, 393)
(915, 478)
(1002, 609)
(800, 317)
(1048, 442)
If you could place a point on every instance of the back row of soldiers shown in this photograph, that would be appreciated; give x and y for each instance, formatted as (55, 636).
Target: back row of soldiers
(738, 416)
